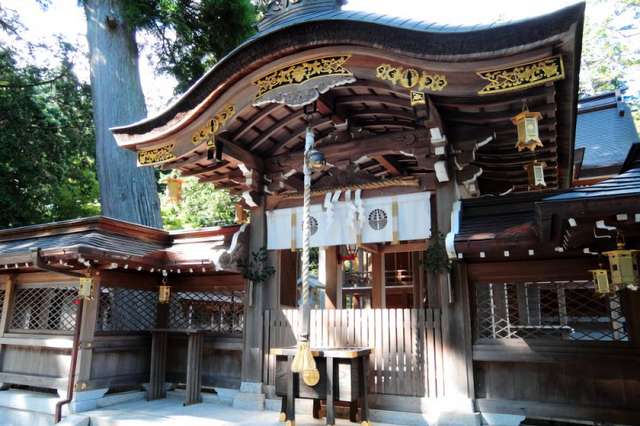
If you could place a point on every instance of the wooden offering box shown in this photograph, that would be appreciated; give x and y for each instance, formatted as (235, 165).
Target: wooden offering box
(343, 377)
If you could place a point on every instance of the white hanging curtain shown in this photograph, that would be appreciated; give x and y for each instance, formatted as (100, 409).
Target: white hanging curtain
(373, 220)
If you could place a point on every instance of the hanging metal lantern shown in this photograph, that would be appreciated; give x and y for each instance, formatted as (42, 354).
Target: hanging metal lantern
(535, 171)
(164, 292)
(528, 134)
(601, 281)
(174, 189)
(624, 265)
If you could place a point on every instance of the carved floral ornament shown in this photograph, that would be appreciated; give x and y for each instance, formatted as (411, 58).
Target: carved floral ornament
(207, 132)
(411, 78)
(301, 83)
(156, 155)
(522, 76)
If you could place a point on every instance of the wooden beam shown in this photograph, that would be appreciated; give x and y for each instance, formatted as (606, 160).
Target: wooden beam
(388, 165)
(206, 169)
(254, 119)
(412, 141)
(298, 134)
(532, 270)
(233, 152)
(275, 128)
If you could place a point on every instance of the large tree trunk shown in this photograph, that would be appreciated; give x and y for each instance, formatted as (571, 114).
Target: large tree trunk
(126, 191)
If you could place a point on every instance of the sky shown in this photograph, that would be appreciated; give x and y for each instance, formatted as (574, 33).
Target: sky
(66, 18)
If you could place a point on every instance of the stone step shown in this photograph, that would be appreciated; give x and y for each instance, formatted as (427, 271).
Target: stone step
(249, 401)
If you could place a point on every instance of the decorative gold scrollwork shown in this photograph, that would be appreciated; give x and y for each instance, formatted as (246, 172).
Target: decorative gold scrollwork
(410, 78)
(418, 98)
(211, 128)
(301, 72)
(522, 76)
(156, 155)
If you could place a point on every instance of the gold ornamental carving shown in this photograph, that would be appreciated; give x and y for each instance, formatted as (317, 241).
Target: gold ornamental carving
(522, 76)
(156, 155)
(282, 84)
(207, 132)
(411, 78)
(418, 98)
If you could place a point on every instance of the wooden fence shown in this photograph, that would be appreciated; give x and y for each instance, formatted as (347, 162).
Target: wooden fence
(406, 344)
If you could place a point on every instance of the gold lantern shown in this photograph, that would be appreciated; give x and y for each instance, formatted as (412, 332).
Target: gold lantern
(86, 285)
(164, 292)
(174, 188)
(528, 134)
(624, 265)
(601, 281)
(535, 171)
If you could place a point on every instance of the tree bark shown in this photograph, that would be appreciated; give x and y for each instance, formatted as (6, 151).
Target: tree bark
(126, 191)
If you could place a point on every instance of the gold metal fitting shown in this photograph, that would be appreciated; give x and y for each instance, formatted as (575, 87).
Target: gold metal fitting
(283, 417)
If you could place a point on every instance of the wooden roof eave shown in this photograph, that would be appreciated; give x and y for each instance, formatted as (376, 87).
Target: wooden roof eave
(259, 51)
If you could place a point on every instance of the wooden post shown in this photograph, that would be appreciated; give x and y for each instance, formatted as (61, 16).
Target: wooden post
(418, 279)
(287, 271)
(253, 327)
(194, 373)
(158, 368)
(328, 274)
(87, 332)
(8, 282)
(331, 406)
(456, 330)
(377, 278)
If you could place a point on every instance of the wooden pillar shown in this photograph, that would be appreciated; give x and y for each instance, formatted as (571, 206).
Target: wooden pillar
(287, 271)
(377, 276)
(8, 283)
(253, 326)
(456, 321)
(194, 373)
(158, 370)
(328, 274)
(418, 279)
(87, 332)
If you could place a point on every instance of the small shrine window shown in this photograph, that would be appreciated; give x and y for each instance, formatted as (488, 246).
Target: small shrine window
(570, 311)
(399, 279)
(44, 308)
(357, 282)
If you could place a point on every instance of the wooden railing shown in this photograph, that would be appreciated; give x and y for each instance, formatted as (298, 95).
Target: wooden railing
(406, 344)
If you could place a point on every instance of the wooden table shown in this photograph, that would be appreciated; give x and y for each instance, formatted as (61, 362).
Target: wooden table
(344, 376)
(159, 364)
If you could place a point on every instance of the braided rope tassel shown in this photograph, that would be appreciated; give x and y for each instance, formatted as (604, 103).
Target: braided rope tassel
(306, 230)
(303, 361)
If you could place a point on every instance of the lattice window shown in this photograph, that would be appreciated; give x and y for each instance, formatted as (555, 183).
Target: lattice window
(125, 309)
(44, 308)
(221, 312)
(550, 310)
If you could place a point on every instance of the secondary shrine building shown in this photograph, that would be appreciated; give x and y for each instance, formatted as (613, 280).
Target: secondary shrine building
(463, 230)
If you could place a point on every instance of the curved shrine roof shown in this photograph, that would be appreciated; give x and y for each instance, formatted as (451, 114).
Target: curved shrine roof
(415, 38)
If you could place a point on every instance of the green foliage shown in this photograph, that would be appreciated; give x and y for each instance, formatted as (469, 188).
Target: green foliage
(202, 206)
(436, 259)
(47, 148)
(192, 35)
(610, 52)
(257, 269)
